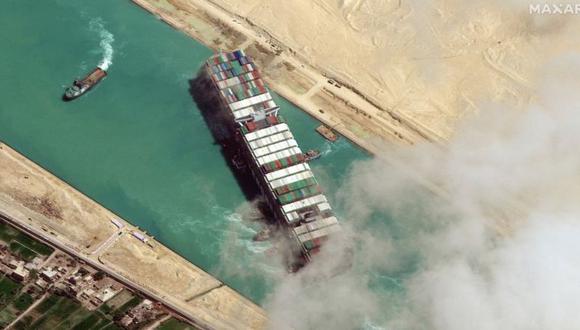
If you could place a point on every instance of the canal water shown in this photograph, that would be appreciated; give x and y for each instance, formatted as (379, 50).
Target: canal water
(137, 143)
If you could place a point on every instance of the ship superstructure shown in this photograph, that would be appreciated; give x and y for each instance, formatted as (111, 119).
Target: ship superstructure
(81, 86)
(271, 153)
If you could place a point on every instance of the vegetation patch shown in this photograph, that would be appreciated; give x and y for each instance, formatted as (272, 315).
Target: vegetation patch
(111, 326)
(23, 301)
(21, 244)
(22, 251)
(64, 313)
(24, 323)
(57, 314)
(117, 301)
(18, 305)
(119, 313)
(46, 304)
(174, 324)
(8, 290)
(6, 316)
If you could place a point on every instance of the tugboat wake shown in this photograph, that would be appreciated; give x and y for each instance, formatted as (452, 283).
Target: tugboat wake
(81, 86)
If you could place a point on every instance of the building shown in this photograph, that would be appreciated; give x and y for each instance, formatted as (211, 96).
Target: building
(20, 274)
(49, 275)
(107, 294)
(117, 223)
(140, 236)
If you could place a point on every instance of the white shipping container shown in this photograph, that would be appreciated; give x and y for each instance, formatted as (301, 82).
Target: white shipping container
(290, 179)
(287, 171)
(279, 155)
(318, 233)
(313, 200)
(265, 132)
(242, 114)
(286, 135)
(315, 225)
(275, 147)
(291, 217)
(323, 207)
(250, 101)
(229, 82)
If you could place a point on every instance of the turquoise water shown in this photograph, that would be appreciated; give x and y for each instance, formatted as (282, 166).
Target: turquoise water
(137, 143)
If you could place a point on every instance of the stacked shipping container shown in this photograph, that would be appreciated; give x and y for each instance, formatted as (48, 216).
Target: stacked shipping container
(272, 153)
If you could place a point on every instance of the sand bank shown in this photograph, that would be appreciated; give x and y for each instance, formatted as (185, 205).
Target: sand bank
(383, 71)
(37, 199)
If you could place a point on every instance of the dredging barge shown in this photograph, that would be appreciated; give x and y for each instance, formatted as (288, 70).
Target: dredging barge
(79, 87)
(272, 155)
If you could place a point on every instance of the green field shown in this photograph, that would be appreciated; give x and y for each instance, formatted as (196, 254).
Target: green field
(22, 302)
(8, 298)
(118, 313)
(54, 312)
(18, 305)
(23, 323)
(174, 324)
(117, 301)
(64, 313)
(57, 312)
(8, 290)
(21, 244)
(6, 316)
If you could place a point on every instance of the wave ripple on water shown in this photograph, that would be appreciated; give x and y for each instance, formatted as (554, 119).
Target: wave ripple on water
(106, 43)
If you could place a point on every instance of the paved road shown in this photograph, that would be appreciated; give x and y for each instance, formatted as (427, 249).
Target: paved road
(112, 239)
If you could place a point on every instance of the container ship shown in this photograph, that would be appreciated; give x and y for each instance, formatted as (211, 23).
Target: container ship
(272, 155)
(79, 87)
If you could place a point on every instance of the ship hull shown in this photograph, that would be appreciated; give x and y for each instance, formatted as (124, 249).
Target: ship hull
(68, 98)
(81, 87)
(272, 156)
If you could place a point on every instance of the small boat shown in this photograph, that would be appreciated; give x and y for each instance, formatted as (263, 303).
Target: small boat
(79, 87)
(312, 155)
(327, 133)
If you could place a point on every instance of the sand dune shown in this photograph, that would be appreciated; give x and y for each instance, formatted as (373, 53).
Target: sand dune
(407, 71)
(431, 62)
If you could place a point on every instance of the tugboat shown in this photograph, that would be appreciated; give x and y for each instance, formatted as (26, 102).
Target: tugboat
(312, 155)
(327, 133)
(79, 87)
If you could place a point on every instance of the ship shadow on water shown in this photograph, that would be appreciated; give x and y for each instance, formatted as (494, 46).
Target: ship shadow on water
(222, 128)
(202, 93)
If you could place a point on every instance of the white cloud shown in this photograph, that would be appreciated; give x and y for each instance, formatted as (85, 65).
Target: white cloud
(503, 252)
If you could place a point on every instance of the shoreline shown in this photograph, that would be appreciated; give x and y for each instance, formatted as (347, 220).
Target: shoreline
(348, 111)
(48, 207)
